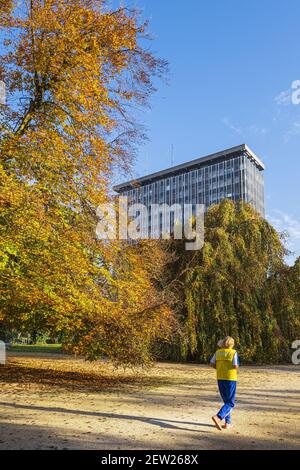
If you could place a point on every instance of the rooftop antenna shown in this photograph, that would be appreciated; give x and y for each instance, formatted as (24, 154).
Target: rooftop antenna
(172, 155)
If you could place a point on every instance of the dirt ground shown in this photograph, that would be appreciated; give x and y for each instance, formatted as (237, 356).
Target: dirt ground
(58, 402)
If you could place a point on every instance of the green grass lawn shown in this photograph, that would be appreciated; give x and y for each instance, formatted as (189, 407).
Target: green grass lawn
(39, 347)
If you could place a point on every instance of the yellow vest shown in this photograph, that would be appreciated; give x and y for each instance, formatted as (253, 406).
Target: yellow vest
(225, 369)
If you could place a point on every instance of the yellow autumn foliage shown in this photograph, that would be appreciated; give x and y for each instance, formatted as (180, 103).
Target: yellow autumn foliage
(73, 69)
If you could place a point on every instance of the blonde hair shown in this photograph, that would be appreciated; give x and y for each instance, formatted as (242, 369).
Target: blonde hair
(226, 343)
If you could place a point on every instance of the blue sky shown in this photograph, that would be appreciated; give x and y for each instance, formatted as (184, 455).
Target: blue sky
(232, 64)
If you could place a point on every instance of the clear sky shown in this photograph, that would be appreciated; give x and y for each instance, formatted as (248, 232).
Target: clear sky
(232, 64)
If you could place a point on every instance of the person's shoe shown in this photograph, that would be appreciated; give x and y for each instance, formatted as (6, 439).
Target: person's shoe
(227, 426)
(217, 422)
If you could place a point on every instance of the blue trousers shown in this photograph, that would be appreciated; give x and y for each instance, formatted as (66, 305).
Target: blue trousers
(227, 390)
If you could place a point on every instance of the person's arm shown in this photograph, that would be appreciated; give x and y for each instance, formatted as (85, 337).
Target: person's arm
(235, 361)
(213, 362)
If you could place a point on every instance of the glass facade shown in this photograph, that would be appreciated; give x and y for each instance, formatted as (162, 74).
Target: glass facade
(236, 177)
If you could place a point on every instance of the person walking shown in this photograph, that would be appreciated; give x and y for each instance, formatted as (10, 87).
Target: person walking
(226, 363)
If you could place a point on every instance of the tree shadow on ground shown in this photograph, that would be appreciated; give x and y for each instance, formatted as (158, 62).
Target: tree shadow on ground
(80, 380)
(161, 422)
(23, 437)
(33, 437)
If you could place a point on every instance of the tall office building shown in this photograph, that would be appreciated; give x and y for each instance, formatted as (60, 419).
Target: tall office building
(235, 173)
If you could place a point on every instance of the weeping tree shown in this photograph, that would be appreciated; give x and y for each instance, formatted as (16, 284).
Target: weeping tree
(283, 302)
(238, 285)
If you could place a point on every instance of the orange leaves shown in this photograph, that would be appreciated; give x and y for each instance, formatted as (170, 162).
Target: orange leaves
(5, 12)
(71, 71)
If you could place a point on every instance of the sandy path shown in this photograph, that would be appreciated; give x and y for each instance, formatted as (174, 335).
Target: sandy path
(54, 402)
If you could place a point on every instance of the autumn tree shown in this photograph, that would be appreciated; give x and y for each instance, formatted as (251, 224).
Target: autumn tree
(74, 70)
(282, 300)
(238, 285)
